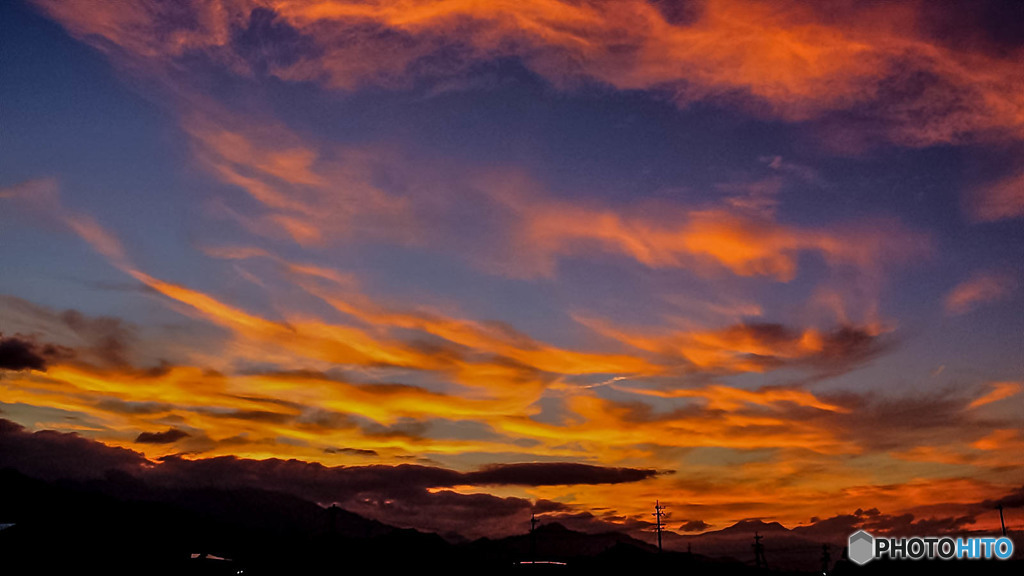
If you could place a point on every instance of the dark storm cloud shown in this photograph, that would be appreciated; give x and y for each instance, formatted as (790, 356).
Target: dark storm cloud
(104, 340)
(171, 436)
(314, 480)
(405, 495)
(850, 345)
(555, 473)
(106, 337)
(880, 423)
(841, 526)
(446, 511)
(757, 347)
(694, 526)
(1014, 499)
(263, 416)
(841, 349)
(586, 521)
(327, 483)
(51, 455)
(21, 353)
(55, 454)
(944, 525)
(354, 451)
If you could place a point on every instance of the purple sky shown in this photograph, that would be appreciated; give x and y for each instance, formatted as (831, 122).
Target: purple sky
(693, 251)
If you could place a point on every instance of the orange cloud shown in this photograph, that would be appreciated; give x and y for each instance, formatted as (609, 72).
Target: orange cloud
(981, 288)
(999, 391)
(616, 430)
(494, 358)
(44, 195)
(505, 352)
(489, 357)
(791, 59)
(499, 382)
(782, 59)
(1002, 200)
(317, 196)
(312, 194)
(728, 399)
(671, 236)
(249, 415)
(539, 230)
(799, 61)
(751, 347)
(1000, 440)
(730, 439)
(506, 364)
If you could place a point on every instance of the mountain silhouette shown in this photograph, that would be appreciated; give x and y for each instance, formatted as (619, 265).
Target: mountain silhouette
(117, 525)
(748, 527)
(556, 542)
(120, 525)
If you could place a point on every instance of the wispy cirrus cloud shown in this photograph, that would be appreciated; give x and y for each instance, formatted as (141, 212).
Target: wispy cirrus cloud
(495, 377)
(981, 288)
(316, 194)
(889, 66)
(998, 391)
(311, 194)
(306, 415)
(753, 347)
(304, 357)
(533, 230)
(702, 238)
(1001, 200)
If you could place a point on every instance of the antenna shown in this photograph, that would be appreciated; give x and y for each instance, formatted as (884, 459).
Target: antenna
(1001, 522)
(533, 537)
(659, 511)
(759, 560)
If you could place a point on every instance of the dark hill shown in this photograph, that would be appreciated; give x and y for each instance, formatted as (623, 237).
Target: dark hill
(121, 526)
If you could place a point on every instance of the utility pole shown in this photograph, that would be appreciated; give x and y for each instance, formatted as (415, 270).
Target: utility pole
(826, 559)
(1001, 522)
(759, 560)
(659, 511)
(533, 537)
(332, 513)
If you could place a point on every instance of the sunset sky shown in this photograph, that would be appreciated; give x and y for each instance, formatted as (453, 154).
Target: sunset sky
(449, 263)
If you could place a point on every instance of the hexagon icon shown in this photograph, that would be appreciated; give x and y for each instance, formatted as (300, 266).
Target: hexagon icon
(861, 548)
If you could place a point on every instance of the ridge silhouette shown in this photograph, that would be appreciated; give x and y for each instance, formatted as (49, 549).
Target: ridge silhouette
(119, 525)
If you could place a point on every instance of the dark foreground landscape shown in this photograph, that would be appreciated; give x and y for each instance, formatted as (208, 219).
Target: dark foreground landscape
(643, 287)
(119, 525)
